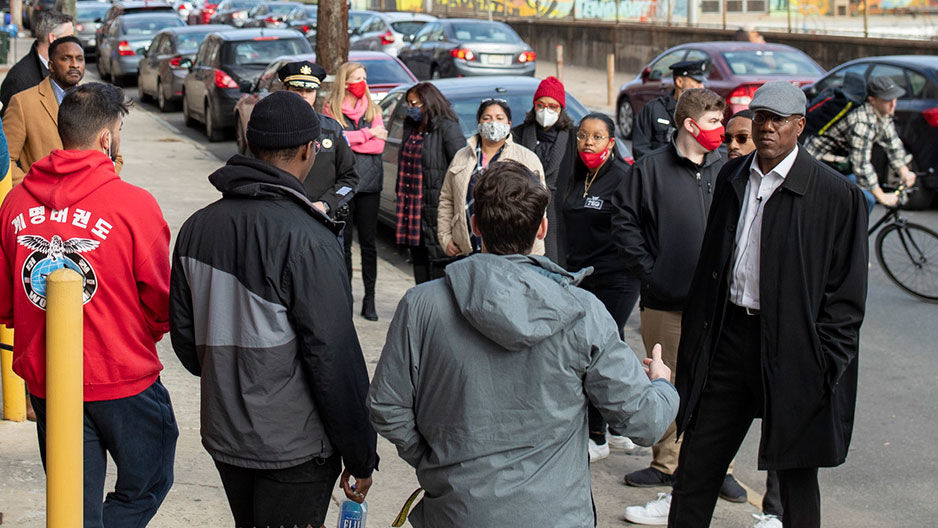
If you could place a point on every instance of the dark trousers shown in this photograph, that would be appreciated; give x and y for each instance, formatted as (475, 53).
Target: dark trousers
(293, 496)
(363, 216)
(618, 292)
(772, 500)
(140, 434)
(424, 268)
(732, 398)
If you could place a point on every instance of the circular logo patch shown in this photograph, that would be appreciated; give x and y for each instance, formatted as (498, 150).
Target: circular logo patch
(52, 255)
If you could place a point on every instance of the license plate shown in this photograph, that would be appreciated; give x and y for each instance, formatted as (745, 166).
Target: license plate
(496, 60)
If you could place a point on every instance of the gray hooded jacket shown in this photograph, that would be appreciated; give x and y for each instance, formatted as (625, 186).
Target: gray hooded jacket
(483, 383)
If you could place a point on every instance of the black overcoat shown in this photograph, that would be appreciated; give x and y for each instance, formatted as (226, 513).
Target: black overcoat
(812, 289)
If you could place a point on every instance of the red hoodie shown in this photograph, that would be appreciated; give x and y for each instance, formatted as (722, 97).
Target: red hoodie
(72, 210)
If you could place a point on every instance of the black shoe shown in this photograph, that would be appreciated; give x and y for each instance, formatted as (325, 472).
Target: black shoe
(732, 491)
(649, 478)
(368, 309)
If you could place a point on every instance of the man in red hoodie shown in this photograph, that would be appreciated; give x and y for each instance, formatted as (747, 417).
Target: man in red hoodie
(73, 211)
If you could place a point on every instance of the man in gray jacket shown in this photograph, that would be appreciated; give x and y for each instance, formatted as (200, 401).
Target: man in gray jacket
(484, 379)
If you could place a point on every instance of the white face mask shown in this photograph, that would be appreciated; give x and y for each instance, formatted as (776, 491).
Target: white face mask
(546, 117)
(494, 130)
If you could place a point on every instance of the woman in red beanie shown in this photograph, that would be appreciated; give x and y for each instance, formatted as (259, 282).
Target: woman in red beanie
(550, 133)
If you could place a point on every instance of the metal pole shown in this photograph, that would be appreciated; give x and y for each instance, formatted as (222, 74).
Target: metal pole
(610, 79)
(788, 9)
(64, 400)
(866, 18)
(560, 62)
(14, 389)
(724, 14)
(670, 10)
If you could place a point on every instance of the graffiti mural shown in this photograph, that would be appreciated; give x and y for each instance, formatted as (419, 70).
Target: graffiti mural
(580, 9)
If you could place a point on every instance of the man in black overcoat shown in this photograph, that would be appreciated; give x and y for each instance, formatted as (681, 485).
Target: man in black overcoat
(771, 326)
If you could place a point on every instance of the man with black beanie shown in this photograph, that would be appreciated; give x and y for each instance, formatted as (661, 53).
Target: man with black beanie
(260, 308)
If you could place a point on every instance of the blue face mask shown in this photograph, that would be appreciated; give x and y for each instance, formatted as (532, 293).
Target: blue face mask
(415, 113)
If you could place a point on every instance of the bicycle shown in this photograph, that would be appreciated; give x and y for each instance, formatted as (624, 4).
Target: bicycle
(908, 252)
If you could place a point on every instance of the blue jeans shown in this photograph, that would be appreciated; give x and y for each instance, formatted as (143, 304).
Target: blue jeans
(870, 199)
(140, 434)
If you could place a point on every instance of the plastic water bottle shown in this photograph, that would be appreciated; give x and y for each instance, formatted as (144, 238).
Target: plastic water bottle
(353, 514)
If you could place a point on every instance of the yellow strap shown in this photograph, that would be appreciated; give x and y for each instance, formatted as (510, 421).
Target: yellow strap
(405, 510)
(836, 118)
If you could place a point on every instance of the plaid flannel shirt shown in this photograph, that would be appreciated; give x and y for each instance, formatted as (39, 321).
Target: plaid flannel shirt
(851, 140)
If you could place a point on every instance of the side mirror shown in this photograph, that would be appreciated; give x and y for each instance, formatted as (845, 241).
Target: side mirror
(186, 63)
(97, 21)
(142, 51)
(247, 87)
(410, 38)
(645, 73)
(810, 92)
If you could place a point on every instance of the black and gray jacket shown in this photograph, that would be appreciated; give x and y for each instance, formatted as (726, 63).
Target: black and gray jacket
(659, 222)
(260, 308)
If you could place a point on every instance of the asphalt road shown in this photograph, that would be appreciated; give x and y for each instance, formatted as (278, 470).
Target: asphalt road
(888, 479)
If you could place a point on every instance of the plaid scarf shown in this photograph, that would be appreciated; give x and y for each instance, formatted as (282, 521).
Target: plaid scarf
(410, 191)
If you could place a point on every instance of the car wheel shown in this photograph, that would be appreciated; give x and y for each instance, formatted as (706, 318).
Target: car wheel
(186, 116)
(161, 101)
(239, 135)
(625, 118)
(211, 127)
(434, 72)
(141, 93)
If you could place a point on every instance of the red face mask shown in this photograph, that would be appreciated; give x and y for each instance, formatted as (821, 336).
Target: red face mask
(709, 139)
(358, 89)
(594, 159)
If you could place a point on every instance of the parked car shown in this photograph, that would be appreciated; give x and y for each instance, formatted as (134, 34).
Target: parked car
(388, 32)
(87, 21)
(465, 96)
(737, 70)
(161, 70)
(459, 47)
(226, 64)
(303, 18)
(916, 112)
(233, 12)
(270, 14)
(127, 40)
(385, 73)
(357, 17)
(184, 7)
(32, 8)
(202, 14)
(129, 7)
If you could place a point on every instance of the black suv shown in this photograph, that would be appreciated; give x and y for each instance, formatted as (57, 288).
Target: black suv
(226, 64)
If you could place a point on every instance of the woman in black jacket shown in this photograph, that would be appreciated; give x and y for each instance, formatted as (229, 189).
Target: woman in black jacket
(430, 140)
(551, 134)
(587, 215)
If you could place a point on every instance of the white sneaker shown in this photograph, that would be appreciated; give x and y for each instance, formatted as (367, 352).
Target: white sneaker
(766, 520)
(620, 443)
(655, 512)
(598, 452)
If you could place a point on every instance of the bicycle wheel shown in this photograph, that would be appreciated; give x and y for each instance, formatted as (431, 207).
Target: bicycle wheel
(909, 255)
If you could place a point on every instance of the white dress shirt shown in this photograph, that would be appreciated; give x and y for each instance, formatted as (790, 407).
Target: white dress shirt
(744, 282)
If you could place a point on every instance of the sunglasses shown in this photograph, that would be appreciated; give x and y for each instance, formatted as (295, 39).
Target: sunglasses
(741, 139)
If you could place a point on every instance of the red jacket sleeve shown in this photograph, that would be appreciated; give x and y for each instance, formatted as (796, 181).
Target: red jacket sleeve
(151, 269)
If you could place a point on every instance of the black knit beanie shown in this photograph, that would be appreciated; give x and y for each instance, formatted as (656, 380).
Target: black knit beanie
(282, 120)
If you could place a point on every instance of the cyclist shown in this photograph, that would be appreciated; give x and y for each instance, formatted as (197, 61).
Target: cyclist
(848, 144)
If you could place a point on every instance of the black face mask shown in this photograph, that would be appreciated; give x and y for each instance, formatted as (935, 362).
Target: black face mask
(415, 113)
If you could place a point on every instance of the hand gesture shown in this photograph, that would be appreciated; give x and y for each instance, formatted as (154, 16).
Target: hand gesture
(358, 492)
(655, 367)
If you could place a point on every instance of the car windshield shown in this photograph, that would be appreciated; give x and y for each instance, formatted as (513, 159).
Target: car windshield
(355, 19)
(483, 32)
(279, 9)
(92, 12)
(519, 102)
(262, 51)
(189, 42)
(148, 25)
(385, 72)
(239, 4)
(771, 62)
(408, 27)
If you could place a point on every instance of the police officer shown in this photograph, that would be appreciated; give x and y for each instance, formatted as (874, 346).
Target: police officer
(332, 181)
(654, 126)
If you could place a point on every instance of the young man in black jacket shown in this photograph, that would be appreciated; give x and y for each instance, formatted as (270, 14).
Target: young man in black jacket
(261, 310)
(661, 213)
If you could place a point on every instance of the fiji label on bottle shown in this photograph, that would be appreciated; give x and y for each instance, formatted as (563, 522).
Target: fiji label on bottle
(352, 515)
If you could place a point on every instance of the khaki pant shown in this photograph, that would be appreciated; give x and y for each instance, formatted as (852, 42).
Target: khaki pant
(664, 328)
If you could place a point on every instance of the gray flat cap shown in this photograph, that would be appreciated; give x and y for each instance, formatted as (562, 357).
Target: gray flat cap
(779, 97)
(884, 88)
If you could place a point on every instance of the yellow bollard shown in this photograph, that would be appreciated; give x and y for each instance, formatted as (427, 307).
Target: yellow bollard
(14, 389)
(64, 400)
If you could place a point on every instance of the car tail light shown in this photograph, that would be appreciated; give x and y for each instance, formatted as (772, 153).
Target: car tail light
(271, 20)
(266, 38)
(462, 53)
(174, 62)
(124, 49)
(931, 116)
(387, 38)
(305, 28)
(223, 80)
(527, 56)
(742, 95)
(79, 27)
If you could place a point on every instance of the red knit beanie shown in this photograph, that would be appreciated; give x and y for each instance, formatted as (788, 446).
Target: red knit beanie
(551, 87)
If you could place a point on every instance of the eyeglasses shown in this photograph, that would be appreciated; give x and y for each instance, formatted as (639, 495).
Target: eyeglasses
(553, 107)
(742, 139)
(580, 136)
(415, 104)
(777, 121)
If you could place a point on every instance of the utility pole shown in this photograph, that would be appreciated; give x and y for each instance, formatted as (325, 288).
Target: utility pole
(332, 34)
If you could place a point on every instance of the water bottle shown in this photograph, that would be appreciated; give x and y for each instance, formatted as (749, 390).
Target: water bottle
(353, 514)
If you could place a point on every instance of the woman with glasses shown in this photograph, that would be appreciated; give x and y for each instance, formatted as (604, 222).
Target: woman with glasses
(587, 215)
(492, 143)
(364, 131)
(550, 133)
(431, 138)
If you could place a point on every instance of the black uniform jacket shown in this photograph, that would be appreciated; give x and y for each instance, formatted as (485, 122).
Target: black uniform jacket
(26, 73)
(333, 178)
(659, 223)
(812, 290)
(654, 126)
